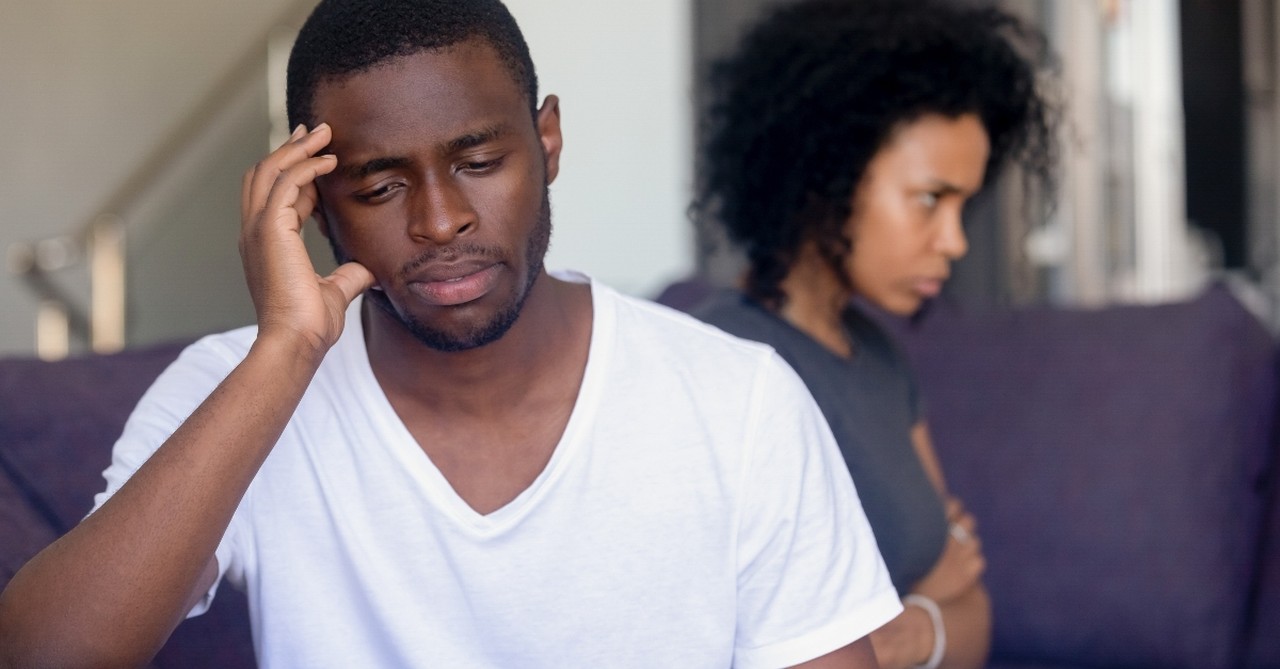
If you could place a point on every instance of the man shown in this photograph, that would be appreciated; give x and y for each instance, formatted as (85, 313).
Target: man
(440, 455)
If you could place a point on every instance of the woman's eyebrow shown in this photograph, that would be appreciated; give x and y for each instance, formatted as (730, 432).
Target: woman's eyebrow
(947, 188)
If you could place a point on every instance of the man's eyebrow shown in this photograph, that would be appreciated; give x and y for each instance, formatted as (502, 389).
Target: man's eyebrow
(461, 143)
(476, 138)
(357, 172)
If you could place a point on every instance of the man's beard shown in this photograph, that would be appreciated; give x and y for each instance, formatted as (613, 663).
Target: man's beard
(483, 333)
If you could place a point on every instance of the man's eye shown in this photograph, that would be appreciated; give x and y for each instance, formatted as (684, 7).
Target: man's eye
(929, 200)
(377, 194)
(480, 166)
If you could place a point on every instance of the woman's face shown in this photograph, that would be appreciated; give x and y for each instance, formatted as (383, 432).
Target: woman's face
(906, 227)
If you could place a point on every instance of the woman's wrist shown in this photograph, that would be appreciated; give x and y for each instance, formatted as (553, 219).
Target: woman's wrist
(939, 646)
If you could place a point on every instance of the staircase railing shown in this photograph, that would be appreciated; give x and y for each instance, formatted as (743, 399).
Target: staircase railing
(100, 243)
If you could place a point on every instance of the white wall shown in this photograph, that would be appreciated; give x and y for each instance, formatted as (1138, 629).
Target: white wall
(88, 89)
(622, 72)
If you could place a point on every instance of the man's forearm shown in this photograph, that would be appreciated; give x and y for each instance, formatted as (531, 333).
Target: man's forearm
(112, 589)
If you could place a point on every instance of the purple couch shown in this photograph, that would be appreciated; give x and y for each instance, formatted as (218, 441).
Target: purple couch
(57, 424)
(1122, 464)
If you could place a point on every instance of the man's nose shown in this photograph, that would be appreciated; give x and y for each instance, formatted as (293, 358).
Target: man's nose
(441, 213)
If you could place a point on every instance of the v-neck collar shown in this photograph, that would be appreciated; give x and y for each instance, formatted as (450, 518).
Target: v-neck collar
(402, 446)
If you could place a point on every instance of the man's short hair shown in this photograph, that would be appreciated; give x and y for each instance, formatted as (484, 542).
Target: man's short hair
(346, 37)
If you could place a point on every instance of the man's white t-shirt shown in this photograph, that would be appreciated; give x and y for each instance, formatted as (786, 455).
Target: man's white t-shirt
(695, 513)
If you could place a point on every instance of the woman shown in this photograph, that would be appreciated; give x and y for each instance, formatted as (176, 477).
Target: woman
(842, 142)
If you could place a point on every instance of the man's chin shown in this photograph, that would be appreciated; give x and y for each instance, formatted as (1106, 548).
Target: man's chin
(453, 332)
(456, 342)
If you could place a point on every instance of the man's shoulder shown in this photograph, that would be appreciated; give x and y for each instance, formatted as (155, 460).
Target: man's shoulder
(654, 344)
(228, 347)
(641, 321)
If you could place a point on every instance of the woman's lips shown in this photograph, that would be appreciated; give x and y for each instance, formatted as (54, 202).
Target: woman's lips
(457, 290)
(929, 287)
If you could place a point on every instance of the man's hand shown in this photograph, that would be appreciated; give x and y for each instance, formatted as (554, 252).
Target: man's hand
(148, 553)
(278, 196)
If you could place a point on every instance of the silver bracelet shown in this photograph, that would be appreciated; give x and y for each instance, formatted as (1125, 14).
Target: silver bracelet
(939, 630)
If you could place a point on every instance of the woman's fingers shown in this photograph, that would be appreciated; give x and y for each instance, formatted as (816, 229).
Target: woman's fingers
(958, 516)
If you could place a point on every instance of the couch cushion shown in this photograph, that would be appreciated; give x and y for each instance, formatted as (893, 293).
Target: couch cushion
(58, 421)
(1264, 643)
(24, 530)
(217, 639)
(1113, 461)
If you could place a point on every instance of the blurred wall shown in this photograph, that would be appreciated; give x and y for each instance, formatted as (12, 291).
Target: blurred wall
(88, 90)
(622, 71)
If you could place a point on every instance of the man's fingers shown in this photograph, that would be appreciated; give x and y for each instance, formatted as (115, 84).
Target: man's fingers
(306, 203)
(246, 210)
(264, 176)
(287, 192)
(351, 279)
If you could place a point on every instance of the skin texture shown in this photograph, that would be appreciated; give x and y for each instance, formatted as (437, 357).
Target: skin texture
(906, 230)
(459, 183)
(429, 175)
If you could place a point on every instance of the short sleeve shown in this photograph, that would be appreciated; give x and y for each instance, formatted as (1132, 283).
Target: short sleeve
(810, 576)
(176, 393)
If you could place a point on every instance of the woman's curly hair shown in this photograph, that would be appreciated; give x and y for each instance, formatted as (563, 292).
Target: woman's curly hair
(818, 87)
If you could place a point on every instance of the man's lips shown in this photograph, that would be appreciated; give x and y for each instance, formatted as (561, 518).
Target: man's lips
(454, 284)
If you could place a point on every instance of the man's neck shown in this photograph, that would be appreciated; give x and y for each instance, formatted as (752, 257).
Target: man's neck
(490, 418)
(545, 342)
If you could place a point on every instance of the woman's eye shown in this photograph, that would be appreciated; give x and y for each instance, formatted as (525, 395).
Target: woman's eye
(929, 200)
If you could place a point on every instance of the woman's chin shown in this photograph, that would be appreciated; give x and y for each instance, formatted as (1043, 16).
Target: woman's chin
(904, 306)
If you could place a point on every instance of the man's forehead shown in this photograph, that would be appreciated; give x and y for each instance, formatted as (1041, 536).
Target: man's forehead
(452, 69)
(439, 100)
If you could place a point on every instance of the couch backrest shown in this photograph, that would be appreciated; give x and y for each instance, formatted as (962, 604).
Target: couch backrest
(58, 422)
(1264, 638)
(1113, 459)
(24, 528)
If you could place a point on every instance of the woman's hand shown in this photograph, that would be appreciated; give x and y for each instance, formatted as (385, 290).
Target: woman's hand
(955, 585)
(961, 564)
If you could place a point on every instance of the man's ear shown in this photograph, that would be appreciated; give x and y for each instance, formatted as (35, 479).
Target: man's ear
(549, 135)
